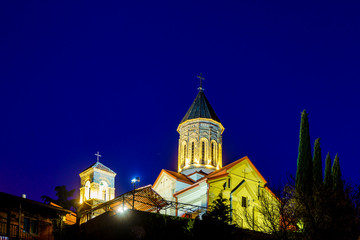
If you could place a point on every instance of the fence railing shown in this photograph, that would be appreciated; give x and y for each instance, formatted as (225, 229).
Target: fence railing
(12, 231)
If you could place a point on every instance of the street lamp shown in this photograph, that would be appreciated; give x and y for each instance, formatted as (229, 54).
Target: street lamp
(134, 181)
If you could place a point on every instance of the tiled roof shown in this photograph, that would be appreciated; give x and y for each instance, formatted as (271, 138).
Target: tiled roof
(222, 173)
(12, 201)
(100, 166)
(200, 108)
(179, 176)
(223, 170)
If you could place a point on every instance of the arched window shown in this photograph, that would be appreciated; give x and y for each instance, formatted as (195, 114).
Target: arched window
(202, 152)
(87, 190)
(219, 157)
(184, 156)
(192, 152)
(213, 154)
(103, 190)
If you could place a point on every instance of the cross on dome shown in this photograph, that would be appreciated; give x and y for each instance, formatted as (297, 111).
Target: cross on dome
(201, 79)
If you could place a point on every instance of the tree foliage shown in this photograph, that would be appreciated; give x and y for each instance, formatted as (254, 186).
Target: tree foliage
(304, 177)
(336, 175)
(215, 223)
(219, 210)
(309, 209)
(327, 214)
(328, 179)
(273, 215)
(317, 166)
(63, 198)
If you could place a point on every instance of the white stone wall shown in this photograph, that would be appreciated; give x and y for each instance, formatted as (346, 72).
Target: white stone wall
(196, 196)
(166, 187)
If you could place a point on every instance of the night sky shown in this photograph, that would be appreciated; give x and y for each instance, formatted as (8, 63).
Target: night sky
(77, 77)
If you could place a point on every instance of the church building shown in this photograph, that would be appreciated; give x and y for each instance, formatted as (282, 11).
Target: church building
(201, 176)
(97, 183)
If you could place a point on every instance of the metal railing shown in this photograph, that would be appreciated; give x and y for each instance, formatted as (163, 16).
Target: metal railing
(143, 199)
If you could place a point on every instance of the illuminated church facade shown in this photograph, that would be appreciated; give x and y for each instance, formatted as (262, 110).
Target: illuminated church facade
(201, 176)
(97, 184)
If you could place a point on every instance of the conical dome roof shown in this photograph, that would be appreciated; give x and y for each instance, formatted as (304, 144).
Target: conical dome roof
(200, 108)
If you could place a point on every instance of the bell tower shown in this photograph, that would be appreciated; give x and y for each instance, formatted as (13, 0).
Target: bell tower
(97, 183)
(200, 140)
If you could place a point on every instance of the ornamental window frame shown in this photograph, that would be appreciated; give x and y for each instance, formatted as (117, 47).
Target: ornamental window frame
(183, 153)
(192, 157)
(104, 190)
(213, 153)
(203, 154)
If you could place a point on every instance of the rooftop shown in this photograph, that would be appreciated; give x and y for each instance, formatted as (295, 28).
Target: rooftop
(200, 108)
(100, 166)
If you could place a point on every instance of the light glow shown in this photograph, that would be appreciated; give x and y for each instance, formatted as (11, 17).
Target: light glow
(121, 209)
(134, 180)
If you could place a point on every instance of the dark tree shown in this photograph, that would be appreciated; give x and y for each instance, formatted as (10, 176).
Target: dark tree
(63, 196)
(219, 210)
(326, 215)
(336, 175)
(275, 214)
(47, 199)
(215, 223)
(317, 166)
(304, 179)
(328, 179)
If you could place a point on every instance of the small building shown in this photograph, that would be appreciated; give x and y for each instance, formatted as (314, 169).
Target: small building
(23, 218)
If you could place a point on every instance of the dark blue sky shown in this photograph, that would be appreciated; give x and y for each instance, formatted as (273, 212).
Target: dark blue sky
(117, 77)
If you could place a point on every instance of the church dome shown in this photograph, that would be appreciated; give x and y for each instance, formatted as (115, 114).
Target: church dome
(200, 108)
(200, 138)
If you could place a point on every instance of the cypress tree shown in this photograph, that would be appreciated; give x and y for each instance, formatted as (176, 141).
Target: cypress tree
(304, 179)
(336, 175)
(327, 175)
(317, 166)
